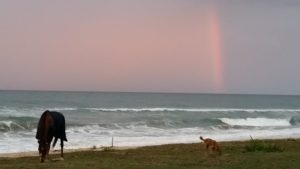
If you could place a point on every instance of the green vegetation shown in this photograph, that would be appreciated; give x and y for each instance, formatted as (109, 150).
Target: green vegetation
(176, 156)
(261, 145)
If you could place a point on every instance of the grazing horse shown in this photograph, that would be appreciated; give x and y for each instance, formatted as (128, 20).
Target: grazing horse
(51, 124)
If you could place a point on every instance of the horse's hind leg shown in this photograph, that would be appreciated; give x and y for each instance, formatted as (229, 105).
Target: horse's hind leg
(62, 148)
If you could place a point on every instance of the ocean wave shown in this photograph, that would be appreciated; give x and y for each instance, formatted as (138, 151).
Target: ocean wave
(256, 122)
(32, 112)
(37, 111)
(17, 123)
(9, 126)
(295, 120)
(166, 109)
(20, 112)
(129, 130)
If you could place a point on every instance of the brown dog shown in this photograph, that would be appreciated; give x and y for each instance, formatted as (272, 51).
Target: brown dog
(211, 145)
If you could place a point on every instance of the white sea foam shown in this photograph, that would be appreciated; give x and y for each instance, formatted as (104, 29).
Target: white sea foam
(160, 109)
(30, 112)
(61, 109)
(256, 122)
(138, 135)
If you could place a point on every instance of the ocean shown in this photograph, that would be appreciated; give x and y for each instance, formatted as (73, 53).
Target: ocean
(139, 119)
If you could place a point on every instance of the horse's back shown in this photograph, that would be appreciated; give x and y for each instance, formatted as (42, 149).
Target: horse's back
(59, 126)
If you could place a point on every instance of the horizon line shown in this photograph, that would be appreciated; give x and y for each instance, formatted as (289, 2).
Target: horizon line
(148, 92)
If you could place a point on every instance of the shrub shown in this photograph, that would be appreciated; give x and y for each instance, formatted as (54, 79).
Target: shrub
(259, 145)
(107, 149)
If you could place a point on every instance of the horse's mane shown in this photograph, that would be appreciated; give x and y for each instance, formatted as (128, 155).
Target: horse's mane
(41, 126)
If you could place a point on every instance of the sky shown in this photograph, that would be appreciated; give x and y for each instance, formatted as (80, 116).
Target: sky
(192, 46)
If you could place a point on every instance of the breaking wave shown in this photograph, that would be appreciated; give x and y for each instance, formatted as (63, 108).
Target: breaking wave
(256, 122)
(295, 120)
(17, 123)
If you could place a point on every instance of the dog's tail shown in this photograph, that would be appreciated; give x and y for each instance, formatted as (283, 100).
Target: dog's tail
(201, 138)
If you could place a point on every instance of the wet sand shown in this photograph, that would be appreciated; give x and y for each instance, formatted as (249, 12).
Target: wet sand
(57, 151)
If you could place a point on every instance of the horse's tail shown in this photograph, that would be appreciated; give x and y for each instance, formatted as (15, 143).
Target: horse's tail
(201, 138)
(41, 126)
(54, 142)
(64, 130)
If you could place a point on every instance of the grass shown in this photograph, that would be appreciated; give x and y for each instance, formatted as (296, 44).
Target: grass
(175, 156)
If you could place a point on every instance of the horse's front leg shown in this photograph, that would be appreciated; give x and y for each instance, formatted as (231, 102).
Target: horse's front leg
(47, 153)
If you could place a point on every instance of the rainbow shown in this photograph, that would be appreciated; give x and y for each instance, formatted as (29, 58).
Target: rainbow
(216, 50)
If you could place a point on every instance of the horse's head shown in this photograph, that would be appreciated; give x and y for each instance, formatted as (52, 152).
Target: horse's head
(44, 148)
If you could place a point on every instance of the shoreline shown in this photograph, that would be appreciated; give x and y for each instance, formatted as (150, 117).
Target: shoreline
(94, 149)
(57, 151)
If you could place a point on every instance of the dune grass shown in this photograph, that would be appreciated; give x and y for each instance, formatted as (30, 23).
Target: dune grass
(175, 156)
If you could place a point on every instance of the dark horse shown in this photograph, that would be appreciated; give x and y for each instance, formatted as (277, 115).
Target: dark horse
(51, 124)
